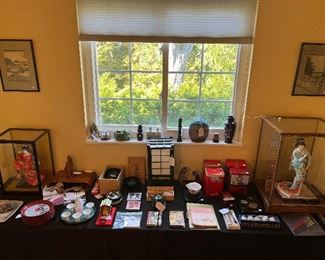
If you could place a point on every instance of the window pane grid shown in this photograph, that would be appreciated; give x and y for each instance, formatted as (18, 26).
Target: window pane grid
(203, 78)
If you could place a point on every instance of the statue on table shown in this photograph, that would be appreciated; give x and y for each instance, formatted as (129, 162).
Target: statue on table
(300, 162)
(68, 169)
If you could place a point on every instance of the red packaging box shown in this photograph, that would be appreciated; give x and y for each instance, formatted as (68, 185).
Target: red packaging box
(239, 177)
(235, 163)
(213, 181)
(211, 164)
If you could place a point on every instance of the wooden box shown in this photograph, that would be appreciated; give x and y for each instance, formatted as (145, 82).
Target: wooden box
(166, 191)
(107, 184)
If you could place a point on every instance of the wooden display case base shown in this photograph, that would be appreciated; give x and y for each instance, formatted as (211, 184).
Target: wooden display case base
(279, 205)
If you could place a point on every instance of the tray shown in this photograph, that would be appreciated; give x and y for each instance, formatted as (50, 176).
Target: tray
(15, 204)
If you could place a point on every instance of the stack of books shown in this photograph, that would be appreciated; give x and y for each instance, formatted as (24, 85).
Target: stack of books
(202, 216)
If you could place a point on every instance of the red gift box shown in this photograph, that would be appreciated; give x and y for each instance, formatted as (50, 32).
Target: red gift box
(211, 164)
(213, 181)
(236, 163)
(239, 176)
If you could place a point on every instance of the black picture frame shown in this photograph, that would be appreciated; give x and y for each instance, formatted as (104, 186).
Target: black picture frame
(17, 66)
(310, 74)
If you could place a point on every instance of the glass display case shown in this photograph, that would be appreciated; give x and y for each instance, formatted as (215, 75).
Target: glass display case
(290, 164)
(26, 160)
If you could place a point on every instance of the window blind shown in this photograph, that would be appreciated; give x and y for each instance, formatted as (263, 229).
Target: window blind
(231, 21)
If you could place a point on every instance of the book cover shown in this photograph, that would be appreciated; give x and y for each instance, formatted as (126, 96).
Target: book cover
(133, 205)
(154, 219)
(202, 216)
(176, 219)
(127, 220)
(303, 225)
(134, 196)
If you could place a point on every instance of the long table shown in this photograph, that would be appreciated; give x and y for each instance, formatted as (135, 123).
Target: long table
(58, 240)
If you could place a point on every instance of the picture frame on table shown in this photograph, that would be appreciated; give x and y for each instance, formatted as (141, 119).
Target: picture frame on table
(17, 66)
(310, 74)
(137, 168)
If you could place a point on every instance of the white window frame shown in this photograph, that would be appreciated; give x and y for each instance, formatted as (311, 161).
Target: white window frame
(90, 91)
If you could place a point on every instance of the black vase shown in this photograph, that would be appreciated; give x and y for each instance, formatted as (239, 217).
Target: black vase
(140, 134)
(230, 127)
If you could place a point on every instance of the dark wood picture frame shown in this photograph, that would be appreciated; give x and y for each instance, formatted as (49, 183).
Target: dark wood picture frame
(310, 75)
(17, 66)
(137, 168)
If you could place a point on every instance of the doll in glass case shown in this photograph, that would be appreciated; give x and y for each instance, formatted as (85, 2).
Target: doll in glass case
(25, 166)
(300, 163)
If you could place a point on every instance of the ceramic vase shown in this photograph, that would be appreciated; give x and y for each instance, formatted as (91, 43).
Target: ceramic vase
(230, 127)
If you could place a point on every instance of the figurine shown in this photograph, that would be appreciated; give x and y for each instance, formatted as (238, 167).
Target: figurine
(179, 136)
(300, 163)
(68, 168)
(25, 166)
(94, 133)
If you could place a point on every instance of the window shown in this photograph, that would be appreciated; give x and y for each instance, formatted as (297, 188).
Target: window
(165, 59)
(154, 84)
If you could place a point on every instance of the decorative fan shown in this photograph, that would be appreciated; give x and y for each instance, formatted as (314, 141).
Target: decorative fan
(198, 131)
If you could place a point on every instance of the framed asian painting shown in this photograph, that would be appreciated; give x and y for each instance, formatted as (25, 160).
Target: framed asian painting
(310, 75)
(17, 66)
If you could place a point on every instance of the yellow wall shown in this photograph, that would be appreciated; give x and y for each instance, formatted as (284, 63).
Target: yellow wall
(281, 27)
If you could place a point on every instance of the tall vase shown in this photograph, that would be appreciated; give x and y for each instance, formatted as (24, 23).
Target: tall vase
(230, 127)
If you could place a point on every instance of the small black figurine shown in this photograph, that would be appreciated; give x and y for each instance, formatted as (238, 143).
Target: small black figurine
(179, 136)
(140, 133)
(230, 127)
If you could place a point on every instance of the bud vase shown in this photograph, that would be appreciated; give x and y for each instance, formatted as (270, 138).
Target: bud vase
(230, 127)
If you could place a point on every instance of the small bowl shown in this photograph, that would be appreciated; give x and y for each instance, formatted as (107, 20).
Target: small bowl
(194, 188)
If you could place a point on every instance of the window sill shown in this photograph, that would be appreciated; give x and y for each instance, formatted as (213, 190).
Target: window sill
(186, 142)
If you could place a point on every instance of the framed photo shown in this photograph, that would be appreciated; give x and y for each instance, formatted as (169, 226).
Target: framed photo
(310, 75)
(137, 168)
(17, 66)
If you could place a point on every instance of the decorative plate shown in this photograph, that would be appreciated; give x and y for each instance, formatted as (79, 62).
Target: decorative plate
(37, 212)
(36, 208)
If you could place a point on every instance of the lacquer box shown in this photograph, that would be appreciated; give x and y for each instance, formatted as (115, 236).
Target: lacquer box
(213, 181)
(237, 176)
